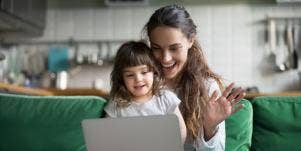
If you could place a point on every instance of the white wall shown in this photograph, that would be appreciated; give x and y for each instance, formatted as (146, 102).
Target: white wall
(231, 35)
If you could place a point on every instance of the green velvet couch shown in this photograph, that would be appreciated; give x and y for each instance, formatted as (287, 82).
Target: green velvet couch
(38, 123)
(267, 123)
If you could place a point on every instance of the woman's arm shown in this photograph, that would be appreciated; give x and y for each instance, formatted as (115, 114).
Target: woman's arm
(182, 124)
(212, 139)
(220, 108)
(215, 143)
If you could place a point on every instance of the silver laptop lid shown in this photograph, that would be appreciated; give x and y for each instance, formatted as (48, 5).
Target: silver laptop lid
(147, 133)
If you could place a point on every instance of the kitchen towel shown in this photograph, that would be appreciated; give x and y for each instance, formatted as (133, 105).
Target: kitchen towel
(58, 58)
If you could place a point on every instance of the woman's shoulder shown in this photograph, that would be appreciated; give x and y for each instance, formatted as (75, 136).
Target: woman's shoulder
(212, 85)
(208, 82)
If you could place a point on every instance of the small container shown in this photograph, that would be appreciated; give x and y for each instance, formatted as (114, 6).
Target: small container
(98, 84)
(62, 80)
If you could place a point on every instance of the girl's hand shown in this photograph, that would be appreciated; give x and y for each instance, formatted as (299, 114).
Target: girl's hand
(219, 109)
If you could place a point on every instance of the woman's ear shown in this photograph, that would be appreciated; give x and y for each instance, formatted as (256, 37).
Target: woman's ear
(191, 41)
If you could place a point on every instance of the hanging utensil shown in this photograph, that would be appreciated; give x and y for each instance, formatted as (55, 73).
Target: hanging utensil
(272, 35)
(297, 44)
(291, 61)
(271, 44)
(281, 49)
(2, 56)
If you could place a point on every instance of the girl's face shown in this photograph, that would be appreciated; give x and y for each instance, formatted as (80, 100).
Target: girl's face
(170, 48)
(139, 82)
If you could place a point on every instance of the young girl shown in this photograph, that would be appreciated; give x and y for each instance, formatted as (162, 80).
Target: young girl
(137, 86)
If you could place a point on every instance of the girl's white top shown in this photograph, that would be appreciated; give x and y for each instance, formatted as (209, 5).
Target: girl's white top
(161, 104)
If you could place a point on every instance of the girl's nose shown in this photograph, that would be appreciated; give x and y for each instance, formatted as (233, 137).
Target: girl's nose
(139, 77)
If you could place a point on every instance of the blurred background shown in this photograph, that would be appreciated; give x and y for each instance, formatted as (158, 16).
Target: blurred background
(71, 44)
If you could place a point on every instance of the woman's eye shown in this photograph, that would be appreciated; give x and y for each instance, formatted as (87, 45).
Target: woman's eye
(175, 48)
(155, 48)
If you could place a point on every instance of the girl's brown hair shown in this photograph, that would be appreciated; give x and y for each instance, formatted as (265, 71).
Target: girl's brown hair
(190, 87)
(132, 54)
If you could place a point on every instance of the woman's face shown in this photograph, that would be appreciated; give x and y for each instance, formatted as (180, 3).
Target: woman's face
(170, 48)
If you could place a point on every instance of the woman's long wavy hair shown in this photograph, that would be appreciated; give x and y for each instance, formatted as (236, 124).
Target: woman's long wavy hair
(132, 54)
(191, 80)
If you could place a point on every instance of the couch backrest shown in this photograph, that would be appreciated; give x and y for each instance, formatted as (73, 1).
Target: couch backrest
(45, 123)
(239, 128)
(277, 123)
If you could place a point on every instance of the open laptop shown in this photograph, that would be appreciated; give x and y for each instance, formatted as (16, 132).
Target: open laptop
(147, 133)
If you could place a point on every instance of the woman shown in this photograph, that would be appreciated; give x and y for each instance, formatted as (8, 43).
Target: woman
(172, 36)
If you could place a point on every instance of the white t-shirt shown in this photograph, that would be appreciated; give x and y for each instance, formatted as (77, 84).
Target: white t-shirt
(163, 103)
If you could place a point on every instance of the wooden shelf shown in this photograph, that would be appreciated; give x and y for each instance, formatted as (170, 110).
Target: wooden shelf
(23, 90)
(52, 91)
(250, 96)
(79, 91)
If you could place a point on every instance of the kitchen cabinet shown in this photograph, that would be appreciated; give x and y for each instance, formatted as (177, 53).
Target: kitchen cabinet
(22, 18)
(38, 12)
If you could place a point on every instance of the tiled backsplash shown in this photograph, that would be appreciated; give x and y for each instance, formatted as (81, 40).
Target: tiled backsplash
(232, 37)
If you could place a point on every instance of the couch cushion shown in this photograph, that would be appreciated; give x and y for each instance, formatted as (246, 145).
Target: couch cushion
(277, 123)
(239, 128)
(45, 123)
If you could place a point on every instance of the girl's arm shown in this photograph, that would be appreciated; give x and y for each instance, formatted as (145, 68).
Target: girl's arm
(182, 124)
(110, 109)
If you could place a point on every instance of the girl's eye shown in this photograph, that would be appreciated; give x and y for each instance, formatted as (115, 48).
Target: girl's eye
(129, 75)
(174, 48)
(144, 72)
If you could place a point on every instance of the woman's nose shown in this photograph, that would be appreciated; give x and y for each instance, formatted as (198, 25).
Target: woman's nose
(166, 56)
